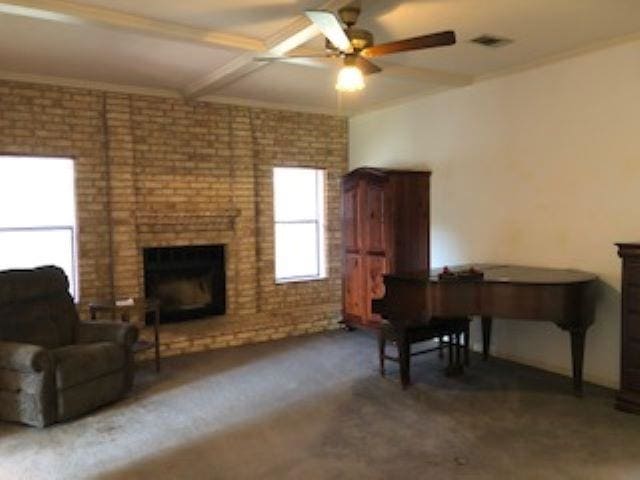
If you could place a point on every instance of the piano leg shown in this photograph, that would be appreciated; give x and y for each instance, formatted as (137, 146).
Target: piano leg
(486, 337)
(466, 345)
(577, 358)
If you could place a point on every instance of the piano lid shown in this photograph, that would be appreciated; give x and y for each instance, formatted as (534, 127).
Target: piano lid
(501, 273)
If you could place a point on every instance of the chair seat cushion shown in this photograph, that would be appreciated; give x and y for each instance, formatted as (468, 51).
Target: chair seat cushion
(81, 363)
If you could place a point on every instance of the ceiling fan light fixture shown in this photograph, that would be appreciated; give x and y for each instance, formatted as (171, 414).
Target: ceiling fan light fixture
(350, 79)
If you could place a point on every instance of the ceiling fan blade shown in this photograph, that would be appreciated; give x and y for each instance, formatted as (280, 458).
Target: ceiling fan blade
(284, 58)
(331, 28)
(316, 61)
(439, 39)
(366, 67)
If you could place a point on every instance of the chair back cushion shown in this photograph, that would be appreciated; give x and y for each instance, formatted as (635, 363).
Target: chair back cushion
(36, 308)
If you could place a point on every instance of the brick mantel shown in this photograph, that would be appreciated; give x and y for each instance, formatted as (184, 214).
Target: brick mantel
(203, 221)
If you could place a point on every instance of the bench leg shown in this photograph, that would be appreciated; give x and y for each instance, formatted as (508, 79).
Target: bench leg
(455, 358)
(381, 351)
(404, 355)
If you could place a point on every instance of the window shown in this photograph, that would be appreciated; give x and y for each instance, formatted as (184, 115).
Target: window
(299, 223)
(37, 214)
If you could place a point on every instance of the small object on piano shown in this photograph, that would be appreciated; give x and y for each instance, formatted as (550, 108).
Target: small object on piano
(471, 274)
(446, 274)
(125, 302)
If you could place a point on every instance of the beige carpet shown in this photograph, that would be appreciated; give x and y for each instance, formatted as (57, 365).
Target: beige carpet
(315, 408)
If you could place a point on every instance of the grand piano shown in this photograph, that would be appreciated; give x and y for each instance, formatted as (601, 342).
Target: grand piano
(564, 297)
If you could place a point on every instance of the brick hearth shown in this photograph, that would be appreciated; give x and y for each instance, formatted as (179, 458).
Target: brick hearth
(156, 171)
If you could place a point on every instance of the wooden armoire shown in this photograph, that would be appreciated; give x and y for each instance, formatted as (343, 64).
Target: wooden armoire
(385, 229)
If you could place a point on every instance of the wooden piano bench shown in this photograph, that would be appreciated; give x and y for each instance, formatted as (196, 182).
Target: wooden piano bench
(455, 329)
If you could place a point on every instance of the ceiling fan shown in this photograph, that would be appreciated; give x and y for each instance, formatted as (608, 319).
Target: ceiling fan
(355, 45)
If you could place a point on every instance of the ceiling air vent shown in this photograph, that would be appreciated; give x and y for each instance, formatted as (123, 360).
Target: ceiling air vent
(492, 41)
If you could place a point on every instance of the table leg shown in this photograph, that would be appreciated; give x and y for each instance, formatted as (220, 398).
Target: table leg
(156, 321)
(577, 358)
(486, 337)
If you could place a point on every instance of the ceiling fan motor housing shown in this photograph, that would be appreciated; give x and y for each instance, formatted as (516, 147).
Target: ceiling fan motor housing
(360, 39)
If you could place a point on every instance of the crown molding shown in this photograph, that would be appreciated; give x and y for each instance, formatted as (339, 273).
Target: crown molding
(87, 84)
(560, 57)
(403, 100)
(159, 92)
(244, 102)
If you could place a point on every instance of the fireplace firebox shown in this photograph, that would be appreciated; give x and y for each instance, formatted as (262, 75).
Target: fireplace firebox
(187, 281)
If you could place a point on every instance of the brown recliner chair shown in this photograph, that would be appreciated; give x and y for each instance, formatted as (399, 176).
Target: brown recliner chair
(53, 367)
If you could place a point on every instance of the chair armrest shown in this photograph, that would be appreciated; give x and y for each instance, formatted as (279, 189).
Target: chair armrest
(121, 333)
(23, 357)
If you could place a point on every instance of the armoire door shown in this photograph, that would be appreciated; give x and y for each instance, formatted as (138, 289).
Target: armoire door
(375, 266)
(354, 286)
(376, 243)
(353, 274)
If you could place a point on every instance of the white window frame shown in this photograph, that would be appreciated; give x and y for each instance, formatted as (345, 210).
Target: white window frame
(71, 229)
(319, 221)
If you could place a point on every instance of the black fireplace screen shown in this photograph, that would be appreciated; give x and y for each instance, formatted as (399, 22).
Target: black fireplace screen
(188, 281)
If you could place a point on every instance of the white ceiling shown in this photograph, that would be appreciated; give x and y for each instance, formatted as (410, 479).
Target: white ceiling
(99, 54)
(292, 85)
(252, 18)
(205, 47)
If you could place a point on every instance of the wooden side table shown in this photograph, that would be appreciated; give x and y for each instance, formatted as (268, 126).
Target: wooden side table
(140, 306)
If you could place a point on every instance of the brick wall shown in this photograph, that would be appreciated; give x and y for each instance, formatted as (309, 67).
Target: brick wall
(155, 171)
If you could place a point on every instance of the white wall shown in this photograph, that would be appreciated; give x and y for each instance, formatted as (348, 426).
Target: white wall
(541, 167)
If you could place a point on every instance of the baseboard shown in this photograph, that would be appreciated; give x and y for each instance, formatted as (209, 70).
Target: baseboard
(549, 367)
